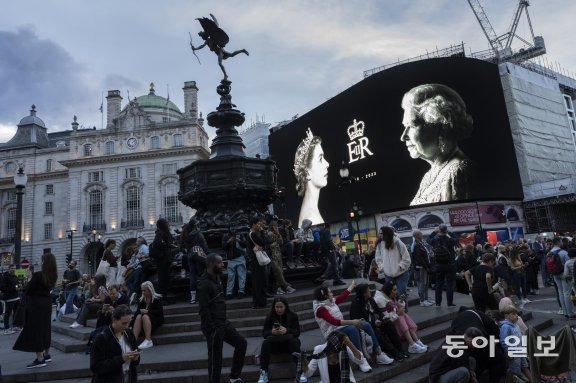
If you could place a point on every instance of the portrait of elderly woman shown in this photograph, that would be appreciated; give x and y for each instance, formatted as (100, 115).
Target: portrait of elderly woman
(311, 171)
(435, 121)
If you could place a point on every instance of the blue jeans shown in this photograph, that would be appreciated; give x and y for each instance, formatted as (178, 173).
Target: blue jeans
(401, 282)
(445, 276)
(564, 292)
(422, 277)
(519, 283)
(236, 266)
(354, 335)
(70, 294)
(133, 281)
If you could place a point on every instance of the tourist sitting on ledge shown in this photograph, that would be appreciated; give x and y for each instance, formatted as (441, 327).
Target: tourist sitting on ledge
(394, 309)
(281, 332)
(91, 306)
(149, 315)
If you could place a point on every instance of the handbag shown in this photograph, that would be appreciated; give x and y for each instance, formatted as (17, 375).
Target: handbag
(261, 256)
(103, 267)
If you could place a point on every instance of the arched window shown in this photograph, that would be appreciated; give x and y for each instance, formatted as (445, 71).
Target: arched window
(170, 202)
(155, 142)
(133, 207)
(95, 210)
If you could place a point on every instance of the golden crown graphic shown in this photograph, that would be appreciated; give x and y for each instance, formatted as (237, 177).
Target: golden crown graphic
(302, 151)
(356, 130)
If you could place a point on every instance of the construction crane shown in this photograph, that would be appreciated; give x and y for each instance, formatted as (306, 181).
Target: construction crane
(502, 45)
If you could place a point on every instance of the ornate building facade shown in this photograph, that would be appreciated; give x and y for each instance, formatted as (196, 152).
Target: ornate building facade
(89, 185)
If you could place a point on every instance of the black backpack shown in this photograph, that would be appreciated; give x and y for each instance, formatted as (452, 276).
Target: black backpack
(442, 253)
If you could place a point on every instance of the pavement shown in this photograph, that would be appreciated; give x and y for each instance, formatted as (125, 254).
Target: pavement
(543, 306)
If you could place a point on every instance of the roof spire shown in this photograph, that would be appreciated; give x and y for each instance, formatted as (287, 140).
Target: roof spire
(152, 88)
(33, 110)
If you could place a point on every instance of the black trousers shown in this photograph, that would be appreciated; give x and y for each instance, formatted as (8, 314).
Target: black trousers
(163, 266)
(483, 300)
(258, 284)
(216, 341)
(275, 345)
(10, 309)
(445, 276)
(332, 266)
(390, 338)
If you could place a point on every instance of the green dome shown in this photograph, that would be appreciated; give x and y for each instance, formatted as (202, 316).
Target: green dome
(156, 102)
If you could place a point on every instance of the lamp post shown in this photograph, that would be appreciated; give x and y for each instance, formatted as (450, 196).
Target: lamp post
(356, 214)
(94, 233)
(346, 181)
(20, 180)
(71, 238)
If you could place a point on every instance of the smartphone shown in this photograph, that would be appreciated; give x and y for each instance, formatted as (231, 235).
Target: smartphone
(276, 325)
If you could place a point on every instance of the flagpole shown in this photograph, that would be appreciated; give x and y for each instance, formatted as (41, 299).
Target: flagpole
(102, 112)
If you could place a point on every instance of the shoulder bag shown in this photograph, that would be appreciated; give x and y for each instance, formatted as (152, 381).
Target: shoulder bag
(261, 256)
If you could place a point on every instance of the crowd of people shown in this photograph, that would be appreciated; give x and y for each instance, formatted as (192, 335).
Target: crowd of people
(377, 329)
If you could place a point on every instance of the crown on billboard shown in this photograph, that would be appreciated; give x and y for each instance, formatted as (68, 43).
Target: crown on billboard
(303, 150)
(356, 130)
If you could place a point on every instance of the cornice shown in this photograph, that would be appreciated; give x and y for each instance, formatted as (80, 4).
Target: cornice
(115, 158)
(36, 177)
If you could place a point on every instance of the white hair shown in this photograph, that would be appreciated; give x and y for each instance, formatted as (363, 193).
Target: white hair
(148, 285)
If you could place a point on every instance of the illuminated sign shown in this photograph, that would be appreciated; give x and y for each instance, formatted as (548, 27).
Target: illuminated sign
(358, 145)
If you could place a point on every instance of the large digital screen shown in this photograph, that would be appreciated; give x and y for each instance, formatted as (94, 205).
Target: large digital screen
(423, 133)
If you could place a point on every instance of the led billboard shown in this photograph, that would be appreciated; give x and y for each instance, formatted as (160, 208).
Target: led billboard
(423, 133)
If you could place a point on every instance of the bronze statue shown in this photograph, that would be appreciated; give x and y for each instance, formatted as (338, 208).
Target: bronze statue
(216, 39)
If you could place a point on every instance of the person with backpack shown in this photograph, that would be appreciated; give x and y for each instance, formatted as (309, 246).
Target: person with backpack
(444, 255)
(196, 248)
(555, 260)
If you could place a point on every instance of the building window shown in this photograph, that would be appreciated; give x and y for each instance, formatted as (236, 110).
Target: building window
(178, 141)
(48, 208)
(10, 167)
(11, 223)
(133, 212)
(170, 203)
(11, 196)
(155, 142)
(88, 149)
(49, 189)
(110, 147)
(49, 165)
(96, 177)
(47, 231)
(168, 169)
(95, 216)
(132, 172)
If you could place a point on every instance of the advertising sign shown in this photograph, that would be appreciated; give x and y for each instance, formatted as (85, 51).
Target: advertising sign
(468, 215)
(419, 134)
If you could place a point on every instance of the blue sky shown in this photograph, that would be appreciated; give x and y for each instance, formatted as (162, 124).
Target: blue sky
(63, 54)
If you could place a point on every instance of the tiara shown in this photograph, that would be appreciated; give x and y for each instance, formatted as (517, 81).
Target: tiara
(302, 150)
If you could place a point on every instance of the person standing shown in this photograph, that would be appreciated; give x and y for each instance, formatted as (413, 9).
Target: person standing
(9, 287)
(445, 256)
(214, 325)
(114, 355)
(196, 246)
(539, 250)
(257, 240)
(36, 334)
(112, 261)
(480, 280)
(235, 248)
(72, 278)
(393, 259)
(276, 260)
(328, 250)
(421, 259)
(162, 254)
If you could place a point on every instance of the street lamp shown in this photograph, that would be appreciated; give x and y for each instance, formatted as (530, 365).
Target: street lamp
(20, 180)
(356, 214)
(94, 233)
(346, 181)
(71, 238)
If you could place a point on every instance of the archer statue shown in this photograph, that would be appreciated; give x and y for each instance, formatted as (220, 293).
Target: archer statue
(216, 39)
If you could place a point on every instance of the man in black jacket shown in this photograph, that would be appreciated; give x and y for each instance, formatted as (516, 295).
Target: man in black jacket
(9, 289)
(329, 253)
(443, 245)
(216, 328)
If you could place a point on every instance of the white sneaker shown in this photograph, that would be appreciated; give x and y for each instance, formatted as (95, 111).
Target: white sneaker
(526, 300)
(364, 365)
(279, 291)
(146, 344)
(419, 343)
(382, 358)
(426, 304)
(431, 301)
(192, 297)
(290, 290)
(560, 312)
(9, 331)
(76, 325)
(414, 348)
(303, 379)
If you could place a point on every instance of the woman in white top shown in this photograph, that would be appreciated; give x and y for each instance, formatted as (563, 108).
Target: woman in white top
(393, 259)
